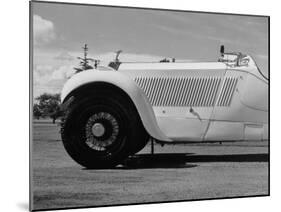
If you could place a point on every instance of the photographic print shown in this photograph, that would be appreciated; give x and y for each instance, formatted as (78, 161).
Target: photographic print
(138, 105)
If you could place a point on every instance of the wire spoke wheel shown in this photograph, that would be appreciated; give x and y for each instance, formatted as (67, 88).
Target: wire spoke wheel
(102, 131)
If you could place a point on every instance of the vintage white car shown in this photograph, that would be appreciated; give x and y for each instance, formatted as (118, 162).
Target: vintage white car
(111, 113)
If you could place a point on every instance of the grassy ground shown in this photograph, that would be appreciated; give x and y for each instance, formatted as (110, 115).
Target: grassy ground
(175, 172)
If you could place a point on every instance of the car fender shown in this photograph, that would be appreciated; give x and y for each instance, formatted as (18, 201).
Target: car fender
(125, 83)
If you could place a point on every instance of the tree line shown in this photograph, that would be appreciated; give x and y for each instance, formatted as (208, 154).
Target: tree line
(47, 105)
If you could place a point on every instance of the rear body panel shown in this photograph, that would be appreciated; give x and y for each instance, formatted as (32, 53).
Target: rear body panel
(204, 101)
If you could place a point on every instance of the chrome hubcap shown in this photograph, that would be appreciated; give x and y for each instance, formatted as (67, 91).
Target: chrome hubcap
(101, 131)
(98, 129)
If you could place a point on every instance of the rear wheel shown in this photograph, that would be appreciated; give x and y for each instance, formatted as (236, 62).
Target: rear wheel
(102, 130)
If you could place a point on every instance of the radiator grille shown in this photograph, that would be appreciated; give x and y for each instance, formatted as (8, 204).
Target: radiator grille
(180, 91)
(227, 91)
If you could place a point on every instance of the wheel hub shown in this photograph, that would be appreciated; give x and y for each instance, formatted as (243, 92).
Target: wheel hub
(102, 130)
(98, 129)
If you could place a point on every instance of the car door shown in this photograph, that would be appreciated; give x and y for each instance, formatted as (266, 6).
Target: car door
(240, 112)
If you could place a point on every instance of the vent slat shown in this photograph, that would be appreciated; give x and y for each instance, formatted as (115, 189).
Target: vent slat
(230, 95)
(179, 91)
(193, 91)
(188, 91)
(204, 93)
(215, 91)
(155, 90)
(227, 91)
(160, 93)
(196, 92)
(223, 90)
(175, 91)
(186, 83)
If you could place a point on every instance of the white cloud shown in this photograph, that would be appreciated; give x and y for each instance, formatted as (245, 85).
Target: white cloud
(262, 56)
(43, 69)
(64, 56)
(43, 29)
(62, 73)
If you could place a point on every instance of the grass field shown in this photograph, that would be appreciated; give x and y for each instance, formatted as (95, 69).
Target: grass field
(175, 172)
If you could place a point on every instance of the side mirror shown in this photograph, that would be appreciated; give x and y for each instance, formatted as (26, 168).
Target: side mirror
(222, 49)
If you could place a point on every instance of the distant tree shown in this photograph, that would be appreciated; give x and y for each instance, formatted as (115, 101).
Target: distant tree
(56, 114)
(84, 61)
(49, 105)
(36, 111)
(165, 60)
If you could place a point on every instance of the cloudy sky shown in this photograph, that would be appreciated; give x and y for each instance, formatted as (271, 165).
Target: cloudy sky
(60, 30)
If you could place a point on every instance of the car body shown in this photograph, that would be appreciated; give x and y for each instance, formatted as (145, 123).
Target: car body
(225, 100)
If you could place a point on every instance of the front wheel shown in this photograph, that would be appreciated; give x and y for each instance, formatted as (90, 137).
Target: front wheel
(101, 130)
